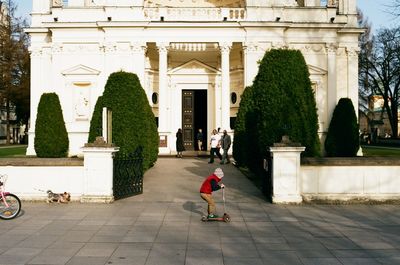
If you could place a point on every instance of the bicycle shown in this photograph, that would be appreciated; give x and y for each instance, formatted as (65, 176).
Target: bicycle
(10, 204)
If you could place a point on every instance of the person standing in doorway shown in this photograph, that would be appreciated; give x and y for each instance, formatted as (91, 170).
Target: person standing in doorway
(179, 143)
(215, 140)
(199, 138)
(225, 144)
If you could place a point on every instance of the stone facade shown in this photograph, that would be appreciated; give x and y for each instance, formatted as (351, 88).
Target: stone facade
(185, 45)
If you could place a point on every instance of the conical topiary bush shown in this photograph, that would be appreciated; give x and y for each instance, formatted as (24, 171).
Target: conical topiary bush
(133, 122)
(342, 139)
(51, 137)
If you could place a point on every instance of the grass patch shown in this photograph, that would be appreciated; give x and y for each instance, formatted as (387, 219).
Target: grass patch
(380, 151)
(13, 151)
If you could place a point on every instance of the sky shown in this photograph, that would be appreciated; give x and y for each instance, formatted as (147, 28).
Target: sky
(373, 9)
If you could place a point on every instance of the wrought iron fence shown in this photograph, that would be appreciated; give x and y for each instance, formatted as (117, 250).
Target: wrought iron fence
(128, 174)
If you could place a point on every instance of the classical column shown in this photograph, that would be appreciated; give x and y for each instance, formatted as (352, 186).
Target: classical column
(36, 55)
(225, 49)
(250, 59)
(162, 86)
(332, 76)
(139, 53)
(352, 75)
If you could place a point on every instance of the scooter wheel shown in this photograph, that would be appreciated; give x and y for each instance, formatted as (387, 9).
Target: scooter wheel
(204, 218)
(227, 218)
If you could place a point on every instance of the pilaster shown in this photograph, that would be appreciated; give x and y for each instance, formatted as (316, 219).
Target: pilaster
(352, 75)
(251, 57)
(225, 48)
(36, 79)
(331, 49)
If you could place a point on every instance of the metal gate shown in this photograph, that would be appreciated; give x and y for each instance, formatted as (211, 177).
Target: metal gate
(128, 174)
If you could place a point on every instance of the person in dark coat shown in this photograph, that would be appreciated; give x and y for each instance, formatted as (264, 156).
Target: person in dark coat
(226, 144)
(179, 143)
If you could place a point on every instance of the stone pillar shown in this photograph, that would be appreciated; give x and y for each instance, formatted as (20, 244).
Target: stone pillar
(36, 70)
(332, 79)
(225, 49)
(286, 180)
(139, 53)
(352, 75)
(162, 87)
(98, 172)
(250, 61)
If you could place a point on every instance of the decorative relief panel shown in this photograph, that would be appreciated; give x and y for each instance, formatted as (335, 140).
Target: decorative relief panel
(82, 100)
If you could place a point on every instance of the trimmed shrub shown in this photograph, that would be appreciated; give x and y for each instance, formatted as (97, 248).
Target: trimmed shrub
(280, 102)
(284, 101)
(96, 123)
(342, 138)
(51, 138)
(133, 121)
(241, 145)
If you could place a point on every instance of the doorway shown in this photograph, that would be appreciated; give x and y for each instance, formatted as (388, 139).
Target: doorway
(194, 117)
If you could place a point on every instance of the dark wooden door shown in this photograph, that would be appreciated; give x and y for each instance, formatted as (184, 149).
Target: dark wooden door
(188, 118)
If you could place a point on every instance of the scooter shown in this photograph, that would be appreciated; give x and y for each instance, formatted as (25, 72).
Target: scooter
(225, 218)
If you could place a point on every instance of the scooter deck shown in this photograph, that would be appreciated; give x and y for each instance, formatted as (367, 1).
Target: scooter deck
(225, 218)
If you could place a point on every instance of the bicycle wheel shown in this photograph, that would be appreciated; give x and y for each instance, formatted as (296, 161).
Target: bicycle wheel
(13, 209)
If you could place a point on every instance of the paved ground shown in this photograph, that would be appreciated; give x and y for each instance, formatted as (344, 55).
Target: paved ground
(163, 227)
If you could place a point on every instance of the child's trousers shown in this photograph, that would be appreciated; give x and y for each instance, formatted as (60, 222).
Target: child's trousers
(211, 204)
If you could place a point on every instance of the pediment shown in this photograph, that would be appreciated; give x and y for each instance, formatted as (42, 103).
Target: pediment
(80, 70)
(313, 70)
(194, 67)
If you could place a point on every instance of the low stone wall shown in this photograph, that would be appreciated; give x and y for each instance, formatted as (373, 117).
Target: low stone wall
(30, 178)
(344, 179)
(87, 180)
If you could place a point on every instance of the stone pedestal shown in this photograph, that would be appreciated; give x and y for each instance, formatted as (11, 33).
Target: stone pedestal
(98, 172)
(286, 172)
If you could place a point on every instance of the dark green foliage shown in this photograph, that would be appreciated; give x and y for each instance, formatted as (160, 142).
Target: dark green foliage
(96, 121)
(241, 144)
(342, 138)
(51, 138)
(281, 102)
(133, 122)
(285, 102)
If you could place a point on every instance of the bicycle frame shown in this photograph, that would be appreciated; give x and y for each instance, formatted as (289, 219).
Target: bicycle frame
(2, 192)
(3, 198)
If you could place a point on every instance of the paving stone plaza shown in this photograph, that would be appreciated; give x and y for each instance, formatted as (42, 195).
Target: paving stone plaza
(163, 227)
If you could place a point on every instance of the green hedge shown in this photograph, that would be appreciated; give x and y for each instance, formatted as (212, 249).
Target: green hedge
(241, 145)
(342, 139)
(133, 122)
(283, 103)
(51, 138)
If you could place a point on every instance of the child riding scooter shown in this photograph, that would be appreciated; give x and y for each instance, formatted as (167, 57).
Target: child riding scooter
(209, 185)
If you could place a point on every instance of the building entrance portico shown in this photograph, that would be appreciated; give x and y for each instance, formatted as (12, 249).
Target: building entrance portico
(194, 89)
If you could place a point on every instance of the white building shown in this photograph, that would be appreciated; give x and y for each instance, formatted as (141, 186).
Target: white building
(194, 57)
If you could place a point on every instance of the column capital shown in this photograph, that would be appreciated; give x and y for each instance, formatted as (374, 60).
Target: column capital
(110, 47)
(225, 46)
(331, 47)
(250, 46)
(352, 51)
(57, 47)
(138, 46)
(35, 51)
(163, 46)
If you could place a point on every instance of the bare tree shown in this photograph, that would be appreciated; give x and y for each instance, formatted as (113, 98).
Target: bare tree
(365, 42)
(380, 70)
(14, 65)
